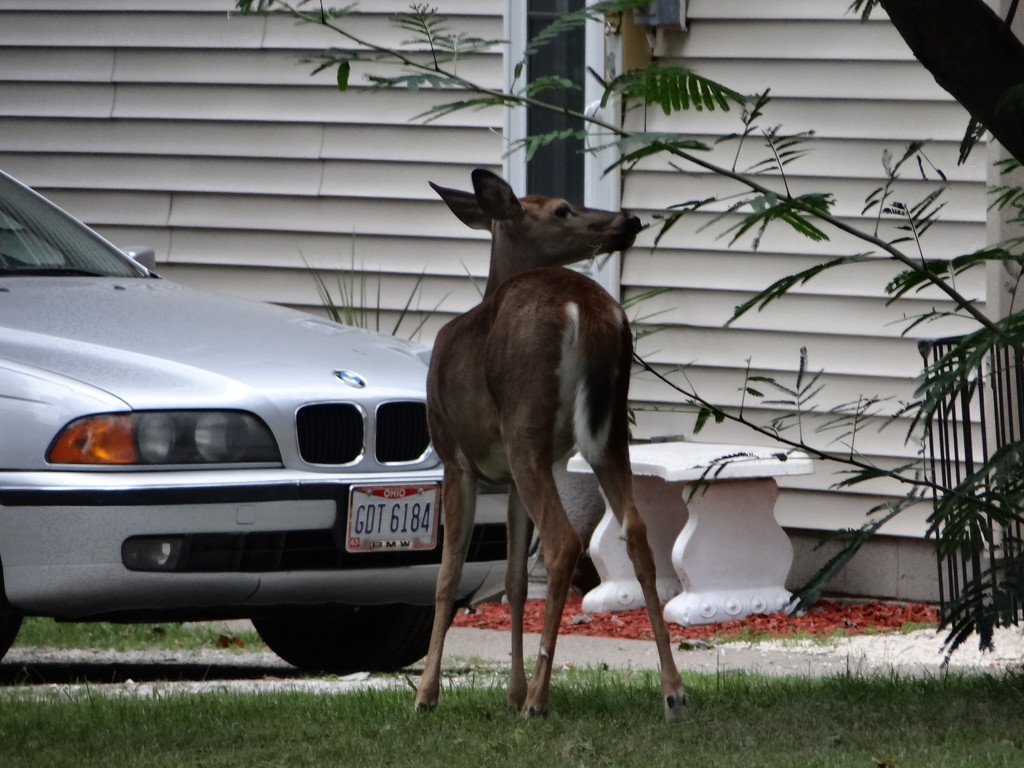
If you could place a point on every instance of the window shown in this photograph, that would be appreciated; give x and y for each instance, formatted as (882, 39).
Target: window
(556, 169)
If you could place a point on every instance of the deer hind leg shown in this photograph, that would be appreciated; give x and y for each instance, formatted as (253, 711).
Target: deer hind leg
(562, 548)
(520, 528)
(459, 508)
(616, 481)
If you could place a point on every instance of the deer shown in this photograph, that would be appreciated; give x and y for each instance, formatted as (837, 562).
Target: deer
(540, 365)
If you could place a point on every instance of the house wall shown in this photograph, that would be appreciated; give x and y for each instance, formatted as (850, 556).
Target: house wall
(862, 92)
(198, 133)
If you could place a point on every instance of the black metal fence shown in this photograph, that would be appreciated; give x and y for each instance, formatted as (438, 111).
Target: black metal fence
(985, 414)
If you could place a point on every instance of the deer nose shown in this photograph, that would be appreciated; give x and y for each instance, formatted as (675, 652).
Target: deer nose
(633, 223)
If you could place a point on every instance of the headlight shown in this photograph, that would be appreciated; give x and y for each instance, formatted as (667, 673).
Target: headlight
(165, 437)
(221, 437)
(155, 437)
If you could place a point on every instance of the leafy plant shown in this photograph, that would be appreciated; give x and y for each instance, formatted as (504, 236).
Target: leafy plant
(349, 302)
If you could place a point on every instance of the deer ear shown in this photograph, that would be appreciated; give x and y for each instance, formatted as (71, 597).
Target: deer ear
(495, 196)
(465, 206)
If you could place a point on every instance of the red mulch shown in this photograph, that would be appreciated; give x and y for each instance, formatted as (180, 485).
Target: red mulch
(825, 617)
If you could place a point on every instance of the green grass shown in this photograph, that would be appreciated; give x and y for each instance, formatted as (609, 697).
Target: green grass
(598, 718)
(131, 637)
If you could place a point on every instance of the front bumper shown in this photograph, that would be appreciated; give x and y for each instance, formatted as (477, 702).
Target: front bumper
(251, 540)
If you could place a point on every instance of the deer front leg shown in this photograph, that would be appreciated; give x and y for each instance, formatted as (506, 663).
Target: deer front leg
(519, 530)
(459, 507)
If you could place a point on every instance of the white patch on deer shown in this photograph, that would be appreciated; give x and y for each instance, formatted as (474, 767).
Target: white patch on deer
(568, 375)
(573, 396)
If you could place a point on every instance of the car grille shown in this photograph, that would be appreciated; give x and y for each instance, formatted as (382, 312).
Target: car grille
(333, 433)
(401, 432)
(330, 433)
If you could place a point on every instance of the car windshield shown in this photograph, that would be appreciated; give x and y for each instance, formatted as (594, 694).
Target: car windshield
(37, 238)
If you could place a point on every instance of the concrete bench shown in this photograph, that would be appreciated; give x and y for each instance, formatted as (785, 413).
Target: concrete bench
(719, 552)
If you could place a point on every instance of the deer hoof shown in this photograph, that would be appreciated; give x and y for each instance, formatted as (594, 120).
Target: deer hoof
(675, 706)
(535, 710)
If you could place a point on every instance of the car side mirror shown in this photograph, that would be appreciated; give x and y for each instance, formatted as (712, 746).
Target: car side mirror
(144, 256)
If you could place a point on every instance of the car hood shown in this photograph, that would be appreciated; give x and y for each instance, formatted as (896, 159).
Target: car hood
(152, 343)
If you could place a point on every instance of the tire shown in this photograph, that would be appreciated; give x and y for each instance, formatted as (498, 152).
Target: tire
(10, 623)
(344, 639)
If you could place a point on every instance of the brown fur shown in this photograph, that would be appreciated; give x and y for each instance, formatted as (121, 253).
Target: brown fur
(501, 402)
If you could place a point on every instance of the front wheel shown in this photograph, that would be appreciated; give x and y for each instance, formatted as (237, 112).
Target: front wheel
(10, 623)
(350, 638)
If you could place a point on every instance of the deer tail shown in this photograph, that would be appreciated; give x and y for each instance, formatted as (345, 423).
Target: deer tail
(598, 379)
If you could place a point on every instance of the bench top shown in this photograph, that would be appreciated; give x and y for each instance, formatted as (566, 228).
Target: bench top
(689, 462)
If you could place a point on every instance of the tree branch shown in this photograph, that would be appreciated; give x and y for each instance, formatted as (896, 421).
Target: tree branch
(973, 55)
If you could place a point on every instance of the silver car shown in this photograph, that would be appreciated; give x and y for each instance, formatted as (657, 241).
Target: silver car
(167, 454)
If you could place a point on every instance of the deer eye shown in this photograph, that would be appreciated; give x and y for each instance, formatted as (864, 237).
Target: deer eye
(563, 210)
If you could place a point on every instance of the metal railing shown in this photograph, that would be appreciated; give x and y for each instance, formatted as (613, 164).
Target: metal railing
(985, 414)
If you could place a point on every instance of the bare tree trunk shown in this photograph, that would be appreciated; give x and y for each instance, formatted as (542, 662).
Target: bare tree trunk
(973, 55)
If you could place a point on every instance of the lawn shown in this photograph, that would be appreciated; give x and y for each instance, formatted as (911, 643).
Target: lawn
(597, 718)
(131, 637)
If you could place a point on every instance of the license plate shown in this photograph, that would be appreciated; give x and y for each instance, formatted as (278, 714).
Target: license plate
(389, 518)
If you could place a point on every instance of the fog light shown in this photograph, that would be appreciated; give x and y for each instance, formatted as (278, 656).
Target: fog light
(151, 553)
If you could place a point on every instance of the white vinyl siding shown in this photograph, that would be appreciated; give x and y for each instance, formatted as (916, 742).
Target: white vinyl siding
(200, 133)
(860, 90)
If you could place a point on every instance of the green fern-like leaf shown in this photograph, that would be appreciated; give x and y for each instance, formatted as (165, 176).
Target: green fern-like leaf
(411, 81)
(254, 6)
(673, 89)
(423, 22)
(307, 10)
(707, 412)
(796, 212)
(785, 148)
(531, 144)
(549, 83)
(1006, 197)
(677, 212)
(654, 144)
(781, 287)
(918, 278)
(441, 110)
(863, 7)
(569, 21)
(344, 70)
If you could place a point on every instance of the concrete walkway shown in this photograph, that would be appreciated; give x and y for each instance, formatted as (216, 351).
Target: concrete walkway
(917, 652)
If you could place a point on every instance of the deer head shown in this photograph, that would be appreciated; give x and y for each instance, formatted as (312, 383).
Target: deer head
(536, 231)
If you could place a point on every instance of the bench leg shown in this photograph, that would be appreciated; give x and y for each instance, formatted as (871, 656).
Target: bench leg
(732, 557)
(664, 514)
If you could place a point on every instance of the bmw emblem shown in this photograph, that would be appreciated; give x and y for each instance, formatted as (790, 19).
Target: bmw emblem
(350, 378)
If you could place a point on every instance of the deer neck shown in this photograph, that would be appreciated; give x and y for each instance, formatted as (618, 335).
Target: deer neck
(511, 255)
